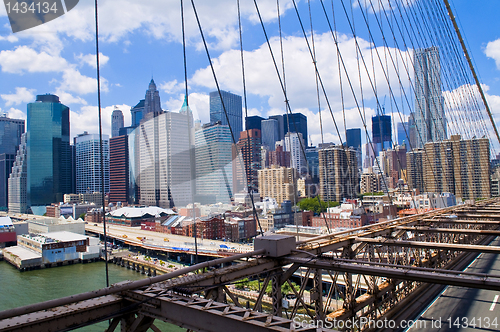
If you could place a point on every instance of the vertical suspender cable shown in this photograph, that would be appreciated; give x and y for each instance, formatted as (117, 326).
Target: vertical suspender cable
(254, 210)
(191, 151)
(469, 61)
(100, 142)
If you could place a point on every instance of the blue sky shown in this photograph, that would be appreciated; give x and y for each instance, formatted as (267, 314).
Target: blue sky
(142, 39)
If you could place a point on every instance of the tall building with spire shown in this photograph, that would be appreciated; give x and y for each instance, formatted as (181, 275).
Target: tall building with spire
(152, 105)
(147, 108)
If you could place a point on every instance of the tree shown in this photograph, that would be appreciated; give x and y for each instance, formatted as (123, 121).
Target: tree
(312, 204)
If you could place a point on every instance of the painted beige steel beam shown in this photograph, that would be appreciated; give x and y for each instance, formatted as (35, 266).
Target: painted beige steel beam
(433, 245)
(402, 273)
(449, 230)
(64, 317)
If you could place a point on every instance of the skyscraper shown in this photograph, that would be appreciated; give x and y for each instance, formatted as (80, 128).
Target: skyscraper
(88, 163)
(214, 175)
(338, 173)
(278, 183)
(270, 133)
(10, 138)
(281, 126)
(162, 158)
(148, 107)
(253, 122)
(296, 123)
(18, 200)
(48, 151)
(353, 140)
(249, 144)
(461, 167)
(119, 173)
(294, 144)
(430, 120)
(116, 122)
(415, 170)
(152, 104)
(233, 107)
(381, 132)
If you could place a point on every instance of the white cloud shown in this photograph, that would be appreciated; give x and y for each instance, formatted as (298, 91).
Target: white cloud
(68, 99)
(25, 59)
(22, 95)
(87, 119)
(493, 51)
(14, 113)
(159, 19)
(171, 87)
(74, 81)
(262, 80)
(198, 102)
(10, 38)
(90, 59)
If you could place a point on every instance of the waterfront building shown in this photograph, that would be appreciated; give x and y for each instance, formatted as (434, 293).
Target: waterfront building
(48, 151)
(18, 196)
(294, 143)
(213, 157)
(88, 163)
(249, 146)
(232, 106)
(51, 249)
(429, 117)
(116, 122)
(279, 183)
(134, 216)
(296, 123)
(119, 172)
(270, 133)
(338, 173)
(10, 138)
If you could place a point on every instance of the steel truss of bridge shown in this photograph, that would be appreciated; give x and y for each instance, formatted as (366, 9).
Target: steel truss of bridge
(389, 270)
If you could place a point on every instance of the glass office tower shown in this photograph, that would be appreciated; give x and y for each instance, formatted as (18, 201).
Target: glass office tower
(48, 151)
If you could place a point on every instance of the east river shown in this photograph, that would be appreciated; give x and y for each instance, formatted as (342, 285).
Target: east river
(23, 288)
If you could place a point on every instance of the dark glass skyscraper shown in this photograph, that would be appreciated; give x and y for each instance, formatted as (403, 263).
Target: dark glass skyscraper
(382, 131)
(296, 123)
(10, 138)
(233, 106)
(353, 138)
(48, 151)
(253, 122)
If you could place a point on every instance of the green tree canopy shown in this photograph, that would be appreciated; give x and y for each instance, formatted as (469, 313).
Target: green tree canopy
(313, 204)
